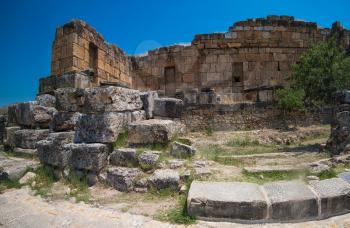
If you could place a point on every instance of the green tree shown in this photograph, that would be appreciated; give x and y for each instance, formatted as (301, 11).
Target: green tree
(290, 99)
(321, 71)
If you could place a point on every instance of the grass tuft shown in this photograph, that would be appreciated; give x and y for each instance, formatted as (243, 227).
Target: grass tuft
(208, 131)
(242, 143)
(80, 187)
(44, 180)
(122, 140)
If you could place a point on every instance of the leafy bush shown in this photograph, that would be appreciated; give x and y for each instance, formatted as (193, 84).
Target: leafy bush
(321, 71)
(290, 99)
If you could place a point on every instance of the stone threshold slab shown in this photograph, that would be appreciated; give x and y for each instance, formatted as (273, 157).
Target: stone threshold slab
(283, 201)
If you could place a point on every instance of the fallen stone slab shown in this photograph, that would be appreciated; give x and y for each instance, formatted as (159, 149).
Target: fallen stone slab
(21, 151)
(168, 107)
(92, 157)
(291, 201)
(334, 194)
(226, 200)
(100, 128)
(69, 99)
(147, 99)
(165, 178)
(64, 121)
(122, 178)
(9, 137)
(51, 151)
(13, 168)
(111, 99)
(180, 150)
(27, 138)
(124, 157)
(153, 131)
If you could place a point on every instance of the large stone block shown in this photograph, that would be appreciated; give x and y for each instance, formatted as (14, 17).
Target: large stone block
(100, 128)
(153, 131)
(168, 107)
(46, 100)
(147, 99)
(291, 201)
(334, 195)
(92, 157)
(30, 114)
(123, 157)
(67, 80)
(233, 200)
(27, 138)
(122, 178)
(69, 99)
(51, 151)
(111, 99)
(9, 137)
(180, 150)
(64, 121)
(165, 178)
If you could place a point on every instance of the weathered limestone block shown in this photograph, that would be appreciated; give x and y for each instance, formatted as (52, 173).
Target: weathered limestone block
(64, 121)
(111, 99)
(67, 80)
(147, 99)
(291, 201)
(153, 131)
(165, 178)
(69, 99)
(2, 128)
(100, 128)
(27, 138)
(92, 157)
(9, 137)
(137, 116)
(11, 115)
(13, 168)
(30, 114)
(148, 159)
(51, 150)
(123, 157)
(233, 200)
(168, 107)
(181, 150)
(46, 100)
(334, 195)
(122, 178)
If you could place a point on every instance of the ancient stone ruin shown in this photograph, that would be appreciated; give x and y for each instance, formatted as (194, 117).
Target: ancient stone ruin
(96, 94)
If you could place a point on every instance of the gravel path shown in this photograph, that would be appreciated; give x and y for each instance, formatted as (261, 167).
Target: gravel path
(18, 208)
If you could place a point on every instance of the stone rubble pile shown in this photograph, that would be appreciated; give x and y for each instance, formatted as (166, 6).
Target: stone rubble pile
(73, 127)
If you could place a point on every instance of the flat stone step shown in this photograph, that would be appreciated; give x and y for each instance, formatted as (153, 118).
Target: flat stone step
(14, 168)
(230, 200)
(276, 168)
(284, 201)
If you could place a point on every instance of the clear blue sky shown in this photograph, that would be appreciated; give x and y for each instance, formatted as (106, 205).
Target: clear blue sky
(27, 28)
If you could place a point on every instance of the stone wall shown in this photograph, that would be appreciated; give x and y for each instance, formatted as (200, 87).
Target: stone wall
(245, 64)
(77, 47)
(241, 117)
